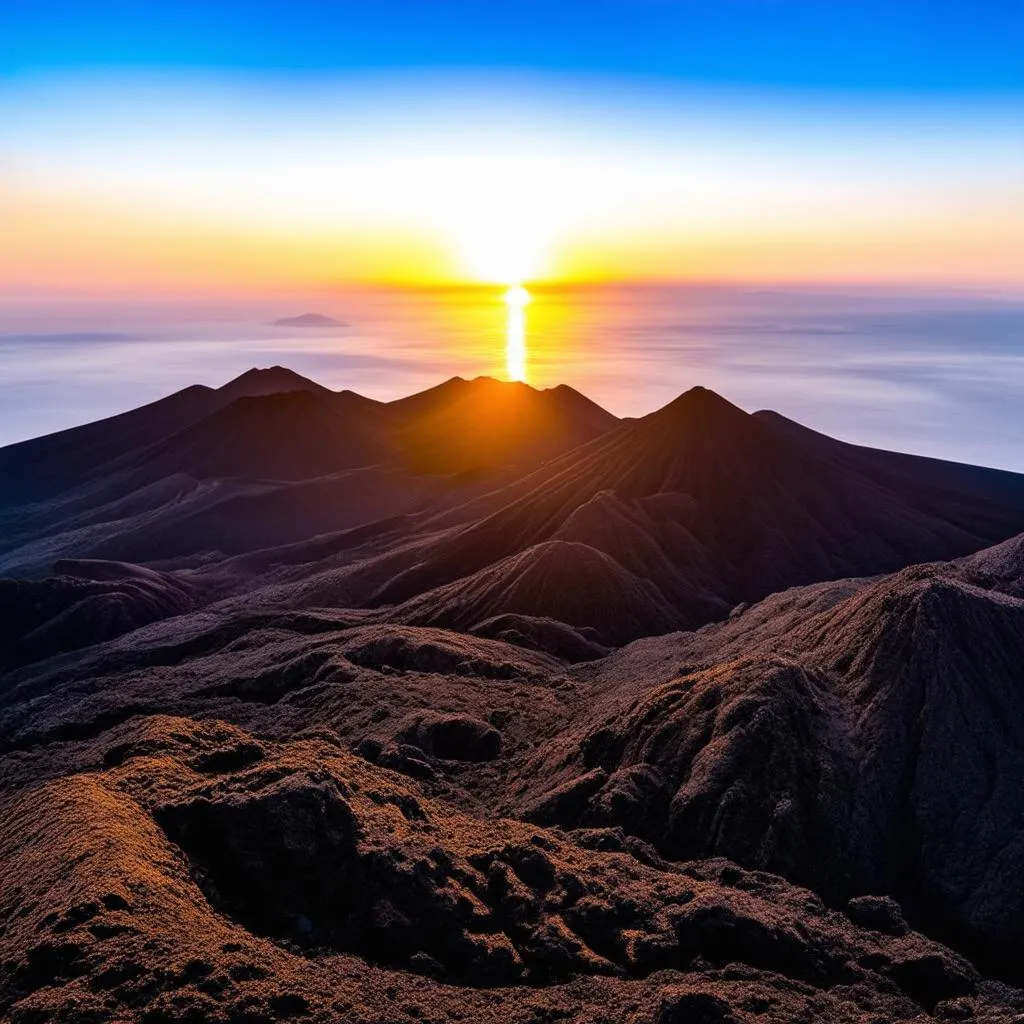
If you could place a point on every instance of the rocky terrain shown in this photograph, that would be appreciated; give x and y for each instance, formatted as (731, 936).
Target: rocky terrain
(484, 705)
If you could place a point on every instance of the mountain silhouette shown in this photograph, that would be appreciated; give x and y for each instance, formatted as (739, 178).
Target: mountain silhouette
(714, 506)
(308, 320)
(485, 423)
(141, 472)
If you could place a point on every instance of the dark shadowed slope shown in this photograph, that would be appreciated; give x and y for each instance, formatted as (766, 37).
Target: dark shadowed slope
(713, 506)
(260, 449)
(294, 435)
(84, 603)
(972, 494)
(45, 466)
(37, 469)
(856, 737)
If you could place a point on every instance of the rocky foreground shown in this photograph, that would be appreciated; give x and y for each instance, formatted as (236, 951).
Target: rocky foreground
(195, 873)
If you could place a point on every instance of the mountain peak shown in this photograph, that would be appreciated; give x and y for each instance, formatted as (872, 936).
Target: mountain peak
(701, 406)
(308, 320)
(267, 381)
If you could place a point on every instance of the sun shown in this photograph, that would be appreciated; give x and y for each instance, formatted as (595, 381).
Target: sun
(502, 246)
(517, 297)
(503, 258)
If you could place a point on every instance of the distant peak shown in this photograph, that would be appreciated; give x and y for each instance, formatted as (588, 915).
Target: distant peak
(700, 407)
(698, 391)
(266, 381)
(263, 373)
(480, 383)
(308, 320)
(703, 398)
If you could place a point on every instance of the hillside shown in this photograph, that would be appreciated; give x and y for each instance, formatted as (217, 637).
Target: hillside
(715, 507)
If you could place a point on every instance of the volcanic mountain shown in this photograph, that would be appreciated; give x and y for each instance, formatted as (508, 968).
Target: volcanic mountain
(308, 320)
(706, 504)
(259, 443)
(314, 707)
(47, 466)
(484, 423)
(860, 736)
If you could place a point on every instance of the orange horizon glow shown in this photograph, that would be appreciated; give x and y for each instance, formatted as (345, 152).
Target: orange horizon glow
(112, 191)
(62, 242)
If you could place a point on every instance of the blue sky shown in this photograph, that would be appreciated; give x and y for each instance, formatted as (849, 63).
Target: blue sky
(159, 145)
(905, 45)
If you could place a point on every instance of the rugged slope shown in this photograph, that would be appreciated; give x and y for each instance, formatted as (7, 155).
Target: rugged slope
(713, 507)
(855, 738)
(858, 737)
(201, 873)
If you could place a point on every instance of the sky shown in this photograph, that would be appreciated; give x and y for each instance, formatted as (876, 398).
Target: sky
(192, 147)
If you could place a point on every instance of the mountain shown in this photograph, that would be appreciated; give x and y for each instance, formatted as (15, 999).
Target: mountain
(858, 737)
(308, 320)
(165, 481)
(271, 380)
(289, 435)
(315, 707)
(713, 507)
(485, 423)
(694, 508)
(43, 467)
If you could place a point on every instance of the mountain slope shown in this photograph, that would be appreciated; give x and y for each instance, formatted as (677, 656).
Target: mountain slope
(862, 737)
(484, 423)
(572, 583)
(45, 466)
(293, 435)
(177, 468)
(716, 507)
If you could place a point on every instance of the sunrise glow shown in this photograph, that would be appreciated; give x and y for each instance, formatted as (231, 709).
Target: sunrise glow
(443, 180)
